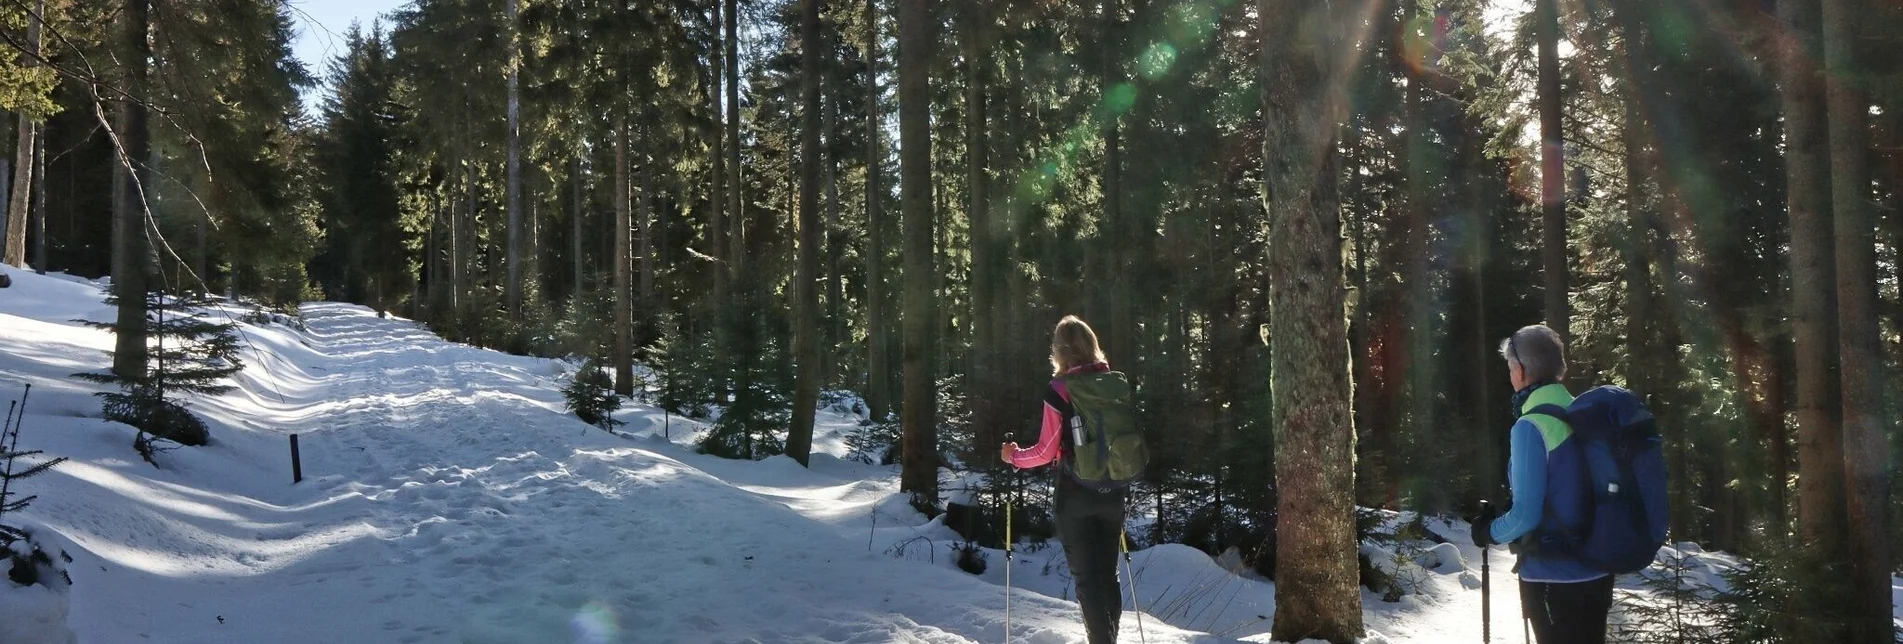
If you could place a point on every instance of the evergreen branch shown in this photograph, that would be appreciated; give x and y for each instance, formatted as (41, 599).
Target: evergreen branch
(15, 506)
(37, 469)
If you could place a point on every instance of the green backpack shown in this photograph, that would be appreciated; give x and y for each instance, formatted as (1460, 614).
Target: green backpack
(1105, 448)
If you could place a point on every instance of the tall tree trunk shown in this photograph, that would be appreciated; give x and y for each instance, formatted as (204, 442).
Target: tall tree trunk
(916, 39)
(1552, 172)
(1111, 259)
(513, 290)
(799, 439)
(834, 320)
(717, 196)
(1813, 285)
(39, 196)
(575, 227)
(198, 258)
(23, 165)
(646, 223)
(1305, 103)
(20, 199)
(736, 232)
(878, 399)
(1642, 361)
(129, 284)
(977, 210)
(454, 258)
(1892, 218)
(432, 263)
(1865, 423)
(623, 358)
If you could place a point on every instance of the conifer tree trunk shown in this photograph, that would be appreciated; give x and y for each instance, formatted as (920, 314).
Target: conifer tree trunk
(20, 199)
(646, 221)
(39, 195)
(1552, 172)
(977, 212)
(1865, 421)
(736, 231)
(129, 282)
(432, 264)
(454, 257)
(1110, 260)
(513, 250)
(878, 399)
(623, 358)
(1813, 285)
(799, 439)
(716, 73)
(1317, 593)
(24, 177)
(834, 320)
(1638, 265)
(920, 454)
(574, 222)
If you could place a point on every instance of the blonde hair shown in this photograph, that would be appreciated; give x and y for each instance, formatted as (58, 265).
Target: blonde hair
(1073, 345)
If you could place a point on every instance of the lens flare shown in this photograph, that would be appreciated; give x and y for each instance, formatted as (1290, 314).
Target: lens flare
(595, 624)
(1192, 24)
(1156, 61)
(1118, 100)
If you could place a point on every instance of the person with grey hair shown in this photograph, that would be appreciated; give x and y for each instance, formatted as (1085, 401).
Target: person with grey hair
(1564, 600)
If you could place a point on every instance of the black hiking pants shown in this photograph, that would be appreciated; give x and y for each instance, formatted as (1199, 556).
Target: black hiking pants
(1567, 613)
(1090, 524)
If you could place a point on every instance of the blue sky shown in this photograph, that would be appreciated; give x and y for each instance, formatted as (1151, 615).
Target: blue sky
(321, 25)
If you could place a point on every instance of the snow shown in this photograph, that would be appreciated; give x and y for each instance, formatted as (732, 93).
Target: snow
(448, 498)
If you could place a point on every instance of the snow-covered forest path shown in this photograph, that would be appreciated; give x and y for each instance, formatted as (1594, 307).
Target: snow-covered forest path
(447, 498)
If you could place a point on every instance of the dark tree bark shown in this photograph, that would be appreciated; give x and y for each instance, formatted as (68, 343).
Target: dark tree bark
(878, 399)
(834, 321)
(978, 210)
(623, 358)
(1813, 284)
(1865, 424)
(453, 236)
(1641, 359)
(645, 224)
(736, 232)
(1552, 172)
(920, 453)
(1317, 593)
(716, 241)
(574, 221)
(132, 258)
(39, 198)
(1110, 259)
(512, 291)
(24, 176)
(799, 439)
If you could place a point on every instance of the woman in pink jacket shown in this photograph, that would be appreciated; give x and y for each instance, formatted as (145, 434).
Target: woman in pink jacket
(1089, 521)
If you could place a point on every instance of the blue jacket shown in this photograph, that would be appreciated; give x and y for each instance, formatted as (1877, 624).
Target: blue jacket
(1534, 438)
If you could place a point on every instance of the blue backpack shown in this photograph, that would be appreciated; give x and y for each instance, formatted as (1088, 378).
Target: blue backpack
(1615, 449)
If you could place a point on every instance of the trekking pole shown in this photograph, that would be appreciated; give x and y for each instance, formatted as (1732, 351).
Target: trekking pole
(1124, 542)
(1486, 587)
(1007, 571)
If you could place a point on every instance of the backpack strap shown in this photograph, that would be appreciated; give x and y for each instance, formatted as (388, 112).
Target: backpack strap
(1550, 433)
(1058, 397)
(1555, 411)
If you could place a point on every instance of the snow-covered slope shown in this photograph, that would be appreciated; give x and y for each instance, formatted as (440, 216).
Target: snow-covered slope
(447, 498)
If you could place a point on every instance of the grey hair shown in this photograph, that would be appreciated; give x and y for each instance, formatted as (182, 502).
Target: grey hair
(1537, 349)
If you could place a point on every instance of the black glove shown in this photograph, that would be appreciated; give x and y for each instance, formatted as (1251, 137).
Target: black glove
(1483, 527)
